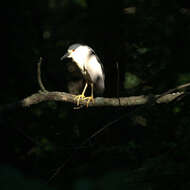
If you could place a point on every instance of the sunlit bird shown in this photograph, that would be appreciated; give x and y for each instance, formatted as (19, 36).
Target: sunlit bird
(91, 68)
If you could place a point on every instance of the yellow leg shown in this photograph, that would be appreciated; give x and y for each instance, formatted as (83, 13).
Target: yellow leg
(91, 98)
(84, 90)
(82, 96)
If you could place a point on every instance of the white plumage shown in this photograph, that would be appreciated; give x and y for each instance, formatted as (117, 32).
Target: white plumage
(90, 66)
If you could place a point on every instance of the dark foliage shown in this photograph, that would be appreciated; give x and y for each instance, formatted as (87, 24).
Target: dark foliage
(146, 149)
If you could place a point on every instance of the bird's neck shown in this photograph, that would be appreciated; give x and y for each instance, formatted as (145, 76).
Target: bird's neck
(80, 61)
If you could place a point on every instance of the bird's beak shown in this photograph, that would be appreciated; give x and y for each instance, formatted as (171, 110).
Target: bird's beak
(65, 56)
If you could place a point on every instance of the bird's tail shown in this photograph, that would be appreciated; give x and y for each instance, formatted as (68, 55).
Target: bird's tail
(99, 85)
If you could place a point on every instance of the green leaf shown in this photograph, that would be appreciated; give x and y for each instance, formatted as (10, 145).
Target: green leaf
(184, 78)
(142, 50)
(176, 109)
(131, 81)
(82, 3)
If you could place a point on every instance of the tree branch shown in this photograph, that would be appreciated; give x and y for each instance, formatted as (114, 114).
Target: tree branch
(39, 75)
(43, 95)
(99, 101)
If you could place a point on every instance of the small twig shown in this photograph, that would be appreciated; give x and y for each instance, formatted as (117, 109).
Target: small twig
(178, 88)
(82, 144)
(173, 90)
(39, 76)
(130, 10)
(103, 128)
(118, 81)
(118, 77)
(29, 138)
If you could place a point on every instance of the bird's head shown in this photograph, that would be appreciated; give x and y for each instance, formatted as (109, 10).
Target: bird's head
(78, 52)
(72, 51)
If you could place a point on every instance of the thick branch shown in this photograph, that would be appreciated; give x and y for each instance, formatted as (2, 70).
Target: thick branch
(43, 95)
(99, 101)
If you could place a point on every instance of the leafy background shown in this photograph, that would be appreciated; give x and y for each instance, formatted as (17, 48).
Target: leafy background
(148, 146)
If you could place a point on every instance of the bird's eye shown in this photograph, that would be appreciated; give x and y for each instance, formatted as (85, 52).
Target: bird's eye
(73, 50)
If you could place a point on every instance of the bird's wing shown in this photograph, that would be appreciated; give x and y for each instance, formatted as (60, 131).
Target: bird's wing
(94, 68)
(92, 53)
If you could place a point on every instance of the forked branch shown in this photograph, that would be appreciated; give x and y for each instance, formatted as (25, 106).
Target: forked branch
(44, 95)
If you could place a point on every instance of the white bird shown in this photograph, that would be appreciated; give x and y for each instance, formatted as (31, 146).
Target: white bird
(91, 68)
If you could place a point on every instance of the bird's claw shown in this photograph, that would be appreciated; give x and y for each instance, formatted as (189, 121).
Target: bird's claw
(89, 99)
(82, 97)
(79, 97)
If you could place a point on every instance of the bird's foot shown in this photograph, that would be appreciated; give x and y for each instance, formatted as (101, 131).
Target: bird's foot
(79, 97)
(89, 99)
(83, 98)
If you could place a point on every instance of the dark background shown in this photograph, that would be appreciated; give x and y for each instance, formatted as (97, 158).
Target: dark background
(148, 147)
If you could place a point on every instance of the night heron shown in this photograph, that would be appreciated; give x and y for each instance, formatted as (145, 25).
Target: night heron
(91, 68)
